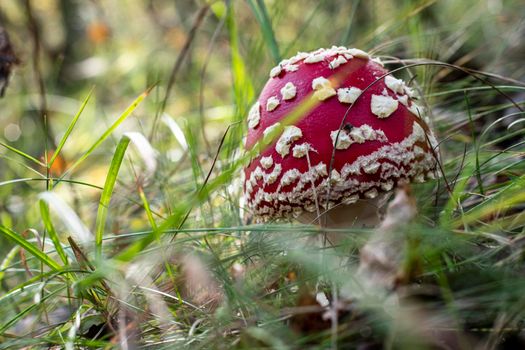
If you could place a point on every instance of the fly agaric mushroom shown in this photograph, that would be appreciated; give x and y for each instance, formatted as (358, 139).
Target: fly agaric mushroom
(363, 136)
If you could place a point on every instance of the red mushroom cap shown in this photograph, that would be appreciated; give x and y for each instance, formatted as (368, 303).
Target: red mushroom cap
(383, 140)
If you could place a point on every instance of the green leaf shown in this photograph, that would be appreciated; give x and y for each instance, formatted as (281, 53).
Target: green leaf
(22, 242)
(147, 208)
(7, 260)
(242, 86)
(109, 131)
(23, 154)
(46, 217)
(105, 198)
(69, 130)
(261, 14)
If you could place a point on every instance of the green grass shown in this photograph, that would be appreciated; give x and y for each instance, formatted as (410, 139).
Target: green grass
(94, 234)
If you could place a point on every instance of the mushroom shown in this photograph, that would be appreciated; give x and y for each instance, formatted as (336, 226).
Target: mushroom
(340, 160)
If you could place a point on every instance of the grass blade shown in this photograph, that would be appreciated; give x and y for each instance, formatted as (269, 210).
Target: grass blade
(242, 85)
(7, 261)
(147, 208)
(22, 242)
(46, 218)
(110, 130)
(69, 129)
(105, 198)
(261, 14)
(23, 154)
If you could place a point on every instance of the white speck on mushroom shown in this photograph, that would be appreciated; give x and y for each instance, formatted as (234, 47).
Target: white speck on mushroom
(248, 187)
(289, 177)
(371, 193)
(418, 111)
(343, 141)
(350, 199)
(358, 53)
(396, 85)
(387, 186)
(335, 177)
(372, 168)
(298, 56)
(257, 174)
(320, 82)
(432, 139)
(348, 95)
(324, 93)
(410, 92)
(254, 116)
(336, 62)
(301, 150)
(357, 135)
(403, 99)
(275, 71)
(323, 88)
(272, 103)
(418, 151)
(314, 58)
(291, 133)
(383, 106)
(291, 67)
(271, 177)
(267, 162)
(371, 134)
(288, 91)
(270, 130)
(418, 132)
(384, 92)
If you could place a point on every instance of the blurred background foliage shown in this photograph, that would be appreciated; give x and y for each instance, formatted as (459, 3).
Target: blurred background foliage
(206, 62)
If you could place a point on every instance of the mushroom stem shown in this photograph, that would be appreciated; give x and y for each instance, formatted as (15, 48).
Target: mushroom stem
(365, 213)
(381, 256)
